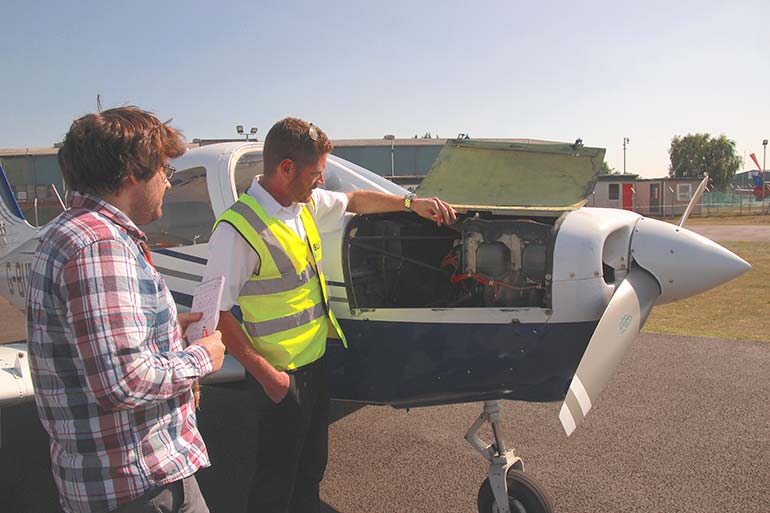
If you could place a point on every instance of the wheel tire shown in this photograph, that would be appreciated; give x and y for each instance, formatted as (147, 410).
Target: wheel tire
(525, 495)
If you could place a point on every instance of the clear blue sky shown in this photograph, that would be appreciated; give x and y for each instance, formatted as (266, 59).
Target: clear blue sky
(547, 70)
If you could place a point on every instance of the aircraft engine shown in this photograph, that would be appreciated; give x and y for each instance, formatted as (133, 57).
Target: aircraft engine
(505, 259)
(402, 261)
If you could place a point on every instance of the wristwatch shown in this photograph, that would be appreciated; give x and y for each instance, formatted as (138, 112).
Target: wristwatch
(408, 201)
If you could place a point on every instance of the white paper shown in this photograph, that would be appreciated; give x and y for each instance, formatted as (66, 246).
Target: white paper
(207, 299)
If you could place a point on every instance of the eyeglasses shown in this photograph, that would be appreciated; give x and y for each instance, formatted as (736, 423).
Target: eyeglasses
(312, 132)
(169, 172)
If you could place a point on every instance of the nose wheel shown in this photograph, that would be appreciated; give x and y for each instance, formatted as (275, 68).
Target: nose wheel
(507, 489)
(525, 495)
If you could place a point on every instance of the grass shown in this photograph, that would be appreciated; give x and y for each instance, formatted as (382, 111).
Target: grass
(739, 309)
(721, 220)
(729, 220)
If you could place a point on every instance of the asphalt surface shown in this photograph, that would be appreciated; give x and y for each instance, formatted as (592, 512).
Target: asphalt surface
(682, 427)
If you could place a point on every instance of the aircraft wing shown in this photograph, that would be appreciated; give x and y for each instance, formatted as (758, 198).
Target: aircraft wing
(15, 381)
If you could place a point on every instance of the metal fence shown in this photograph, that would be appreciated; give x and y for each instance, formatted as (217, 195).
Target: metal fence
(733, 204)
(712, 204)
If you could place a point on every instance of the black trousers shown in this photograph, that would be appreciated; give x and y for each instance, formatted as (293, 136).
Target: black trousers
(292, 443)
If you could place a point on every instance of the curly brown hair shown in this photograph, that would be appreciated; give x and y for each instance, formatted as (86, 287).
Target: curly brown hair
(101, 150)
(295, 139)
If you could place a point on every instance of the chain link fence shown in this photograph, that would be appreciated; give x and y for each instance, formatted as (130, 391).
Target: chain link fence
(717, 203)
(711, 204)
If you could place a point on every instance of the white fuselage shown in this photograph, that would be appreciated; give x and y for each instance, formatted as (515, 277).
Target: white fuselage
(594, 249)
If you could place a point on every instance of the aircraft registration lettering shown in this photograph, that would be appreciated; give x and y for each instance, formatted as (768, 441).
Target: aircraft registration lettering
(16, 277)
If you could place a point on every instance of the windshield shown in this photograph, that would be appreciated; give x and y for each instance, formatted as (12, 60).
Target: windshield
(340, 175)
(247, 167)
(343, 176)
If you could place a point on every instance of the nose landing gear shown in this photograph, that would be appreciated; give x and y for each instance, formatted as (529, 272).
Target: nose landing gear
(507, 489)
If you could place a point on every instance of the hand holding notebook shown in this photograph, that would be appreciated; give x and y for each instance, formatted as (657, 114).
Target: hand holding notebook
(207, 299)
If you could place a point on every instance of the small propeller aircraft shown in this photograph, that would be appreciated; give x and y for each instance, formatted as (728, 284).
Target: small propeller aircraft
(528, 296)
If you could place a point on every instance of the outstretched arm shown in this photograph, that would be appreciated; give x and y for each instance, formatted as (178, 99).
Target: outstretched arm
(374, 202)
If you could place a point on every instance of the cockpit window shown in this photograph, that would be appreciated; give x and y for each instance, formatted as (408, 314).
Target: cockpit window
(340, 175)
(187, 216)
(344, 176)
(248, 166)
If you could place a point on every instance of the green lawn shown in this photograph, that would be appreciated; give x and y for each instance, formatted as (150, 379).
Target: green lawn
(739, 309)
(721, 219)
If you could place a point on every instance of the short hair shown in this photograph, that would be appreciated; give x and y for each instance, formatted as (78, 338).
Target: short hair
(101, 150)
(290, 138)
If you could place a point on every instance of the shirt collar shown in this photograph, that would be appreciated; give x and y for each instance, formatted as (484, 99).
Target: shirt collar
(108, 210)
(268, 202)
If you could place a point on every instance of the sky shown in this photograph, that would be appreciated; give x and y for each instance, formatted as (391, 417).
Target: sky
(600, 71)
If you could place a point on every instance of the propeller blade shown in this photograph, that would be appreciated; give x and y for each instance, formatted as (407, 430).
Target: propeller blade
(694, 199)
(624, 317)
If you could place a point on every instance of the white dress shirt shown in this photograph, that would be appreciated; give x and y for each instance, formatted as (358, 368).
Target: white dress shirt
(230, 255)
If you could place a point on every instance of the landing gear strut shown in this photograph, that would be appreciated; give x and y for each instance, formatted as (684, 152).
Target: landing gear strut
(507, 489)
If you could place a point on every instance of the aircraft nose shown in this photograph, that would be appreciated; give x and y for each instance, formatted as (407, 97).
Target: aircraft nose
(684, 262)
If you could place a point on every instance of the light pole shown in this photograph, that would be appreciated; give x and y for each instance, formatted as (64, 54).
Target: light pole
(252, 131)
(626, 140)
(392, 139)
(764, 166)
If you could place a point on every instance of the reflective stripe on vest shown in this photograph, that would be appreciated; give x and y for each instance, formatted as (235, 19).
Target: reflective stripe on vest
(285, 306)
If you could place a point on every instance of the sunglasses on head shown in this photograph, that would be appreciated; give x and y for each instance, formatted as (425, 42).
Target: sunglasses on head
(312, 132)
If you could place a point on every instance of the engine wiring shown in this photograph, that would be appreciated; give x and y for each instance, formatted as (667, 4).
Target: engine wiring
(452, 260)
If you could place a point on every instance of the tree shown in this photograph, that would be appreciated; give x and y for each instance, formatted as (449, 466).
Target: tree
(696, 155)
(605, 169)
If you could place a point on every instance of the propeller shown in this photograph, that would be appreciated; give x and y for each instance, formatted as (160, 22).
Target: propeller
(624, 317)
(694, 199)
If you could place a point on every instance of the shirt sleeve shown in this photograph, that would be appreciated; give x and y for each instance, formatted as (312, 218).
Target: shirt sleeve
(232, 257)
(330, 208)
(113, 331)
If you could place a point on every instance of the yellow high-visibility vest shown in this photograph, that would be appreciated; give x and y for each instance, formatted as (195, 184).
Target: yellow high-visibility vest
(285, 307)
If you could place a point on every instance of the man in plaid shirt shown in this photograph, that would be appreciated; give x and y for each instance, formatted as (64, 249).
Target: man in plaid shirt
(113, 376)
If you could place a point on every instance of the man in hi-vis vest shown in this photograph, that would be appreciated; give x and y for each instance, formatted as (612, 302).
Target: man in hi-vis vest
(267, 245)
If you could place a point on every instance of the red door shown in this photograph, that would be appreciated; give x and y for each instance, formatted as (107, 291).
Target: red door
(628, 196)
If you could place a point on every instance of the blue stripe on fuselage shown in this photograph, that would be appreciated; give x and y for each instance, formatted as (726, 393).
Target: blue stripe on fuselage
(182, 256)
(181, 298)
(404, 364)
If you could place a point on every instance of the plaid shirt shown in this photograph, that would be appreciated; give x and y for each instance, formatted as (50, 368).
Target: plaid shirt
(111, 372)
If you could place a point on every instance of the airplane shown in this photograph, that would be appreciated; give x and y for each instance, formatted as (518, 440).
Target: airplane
(529, 296)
